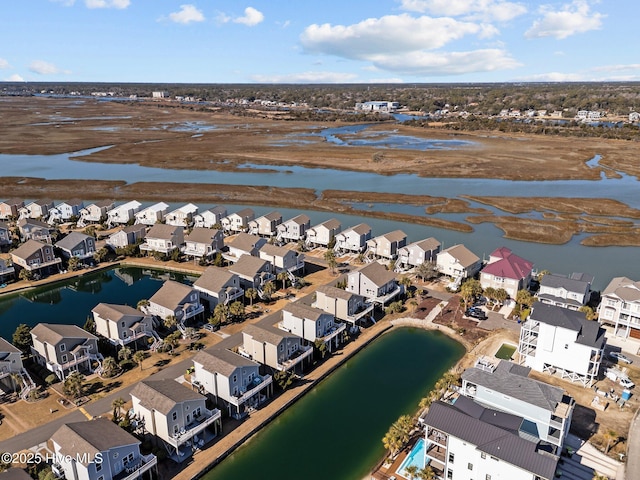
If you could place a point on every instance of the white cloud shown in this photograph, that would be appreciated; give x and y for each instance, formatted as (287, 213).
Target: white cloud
(221, 17)
(306, 77)
(392, 34)
(575, 17)
(251, 18)
(488, 10)
(45, 68)
(553, 77)
(66, 3)
(4, 64)
(119, 4)
(14, 78)
(617, 68)
(187, 14)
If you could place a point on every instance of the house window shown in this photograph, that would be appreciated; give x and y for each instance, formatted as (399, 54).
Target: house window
(487, 477)
(174, 416)
(470, 466)
(451, 457)
(128, 459)
(235, 378)
(122, 324)
(63, 347)
(450, 474)
(483, 455)
(64, 359)
(98, 467)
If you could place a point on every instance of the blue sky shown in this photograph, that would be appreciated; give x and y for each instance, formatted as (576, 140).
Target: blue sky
(312, 41)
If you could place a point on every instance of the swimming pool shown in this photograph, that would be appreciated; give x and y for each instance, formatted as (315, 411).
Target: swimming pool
(415, 457)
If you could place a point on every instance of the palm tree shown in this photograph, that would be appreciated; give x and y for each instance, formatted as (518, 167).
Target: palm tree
(142, 304)
(391, 442)
(501, 295)
(610, 435)
(74, 385)
(124, 353)
(117, 405)
(16, 380)
(411, 471)
(283, 276)
(221, 313)
(170, 322)
(268, 289)
(406, 283)
(236, 310)
(109, 367)
(139, 357)
(251, 294)
(427, 473)
(330, 257)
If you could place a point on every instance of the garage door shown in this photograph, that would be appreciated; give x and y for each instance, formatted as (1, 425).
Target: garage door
(634, 333)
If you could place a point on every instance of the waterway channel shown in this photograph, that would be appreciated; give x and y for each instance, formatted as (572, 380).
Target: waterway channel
(335, 431)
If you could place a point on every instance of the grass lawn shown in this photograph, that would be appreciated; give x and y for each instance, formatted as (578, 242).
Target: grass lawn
(505, 352)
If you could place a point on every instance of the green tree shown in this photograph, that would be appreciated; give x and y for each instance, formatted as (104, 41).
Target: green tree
(22, 338)
(117, 405)
(73, 385)
(101, 255)
(541, 274)
(25, 275)
(427, 271)
(221, 313)
(109, 367)
(501, 295)
(139, 357)
(218, 261)
(394, 307)
(427, 473)
(176, 255)
(236, 310)
(490, 293)
(90, 325)
(406, 283)
(470, 290)
(251, 294)
(215, 321)
(268, 290)
(125, 353)
(172, 340)
(170, 322)
(143, 304)
(283, 277)
(524, 298)
(320, 347)
(73, 264)
(589, 313)
(330, 258)
(411, 471)
(283, 379)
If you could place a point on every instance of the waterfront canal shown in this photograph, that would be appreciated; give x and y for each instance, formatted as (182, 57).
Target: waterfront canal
(335, 431)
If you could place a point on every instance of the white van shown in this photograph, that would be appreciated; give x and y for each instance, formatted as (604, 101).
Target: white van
(620, 377)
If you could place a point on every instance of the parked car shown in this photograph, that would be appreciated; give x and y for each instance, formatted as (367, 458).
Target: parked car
(620, 357)
(476, 313)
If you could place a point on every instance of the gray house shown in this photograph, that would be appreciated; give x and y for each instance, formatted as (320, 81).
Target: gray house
(163, 238)
(572, 292)
(311, 324)
(282, 259)
(176, 414)
(294, 229)
(267, 225)
(122, 324)
(234, 381)
(203, 242)
(210, 218)
(32, 229)
(5, 234)
(217, 285)
(35, 256)
(417, 253)
(63, 349)
(77, 245)
(99, 450)
(10, 363)
(353, 239)
(238, 221)
(129, 235)
(253, 272)
(274, 347)
(347, 306)
(175, 299)
(244, 244)
(505, 386)
(374, 282)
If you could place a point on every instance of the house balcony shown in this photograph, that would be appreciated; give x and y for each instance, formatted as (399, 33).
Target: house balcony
(296, 357)
(435, 437)
(132, 337)
(333, 332)
(436, 452)
(256, 386)
(231, 294)
(196, 251)
(299, 265)
(360, 313)
(53, 366)
(6, 370)
(165, 249)
(134, 470)
(38, 265)
(384, 298)
(197, 425)
(191, 312)
(526, 350)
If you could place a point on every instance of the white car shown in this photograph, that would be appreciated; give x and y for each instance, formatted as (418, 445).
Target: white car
(620, 357)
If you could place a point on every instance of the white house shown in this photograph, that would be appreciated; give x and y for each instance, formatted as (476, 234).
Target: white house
(95, 212)
(311, 324)
(152, 214)
(620, 307)
(458, 262)
(99, 450)
(238, 221)
(122, 324)
(466, 441)
(572, 292)
(324, 233)
(10, 363)
(10, 208)
(210, 218)
(294, 229)
(266, 225)
(203, 242)
(123, 213)
(38, 209)
(234, 381)
(217, 285)
(63, 349)
(554, 339)
(244, 244)
(175, 299)
(342, 304)
(182, 216)
(506, 270)
(128, 235)
(253, 272)
(387, 245)
(417, 253)
(506, 387)
(274, 347)
(163, 238)
(374, 282)
(282, 259)
(353, 239)
(176, 414)
(65, 211)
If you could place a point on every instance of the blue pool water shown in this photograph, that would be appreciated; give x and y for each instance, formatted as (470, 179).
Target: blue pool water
(415, 457)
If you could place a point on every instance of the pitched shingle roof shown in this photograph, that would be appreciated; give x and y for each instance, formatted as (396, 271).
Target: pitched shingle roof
(589, 331)
(248, 266)
(86, 439)
(213, 279)
(360, 229)
(266, 333)
(115, 312)
(6, 347)
(299, 219)
(377, 273)
(160, 230)
(333, 292)
(171, 294)
(246, 242)
(28, 248)
(53, 333)
(71, 240)
(201, 235)
(301, 310)
(274, 250)
(462, 254)
(577, 282)
(624, 288)
(163, 395)
(509, 265)
(427, 244)
(222, 361)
